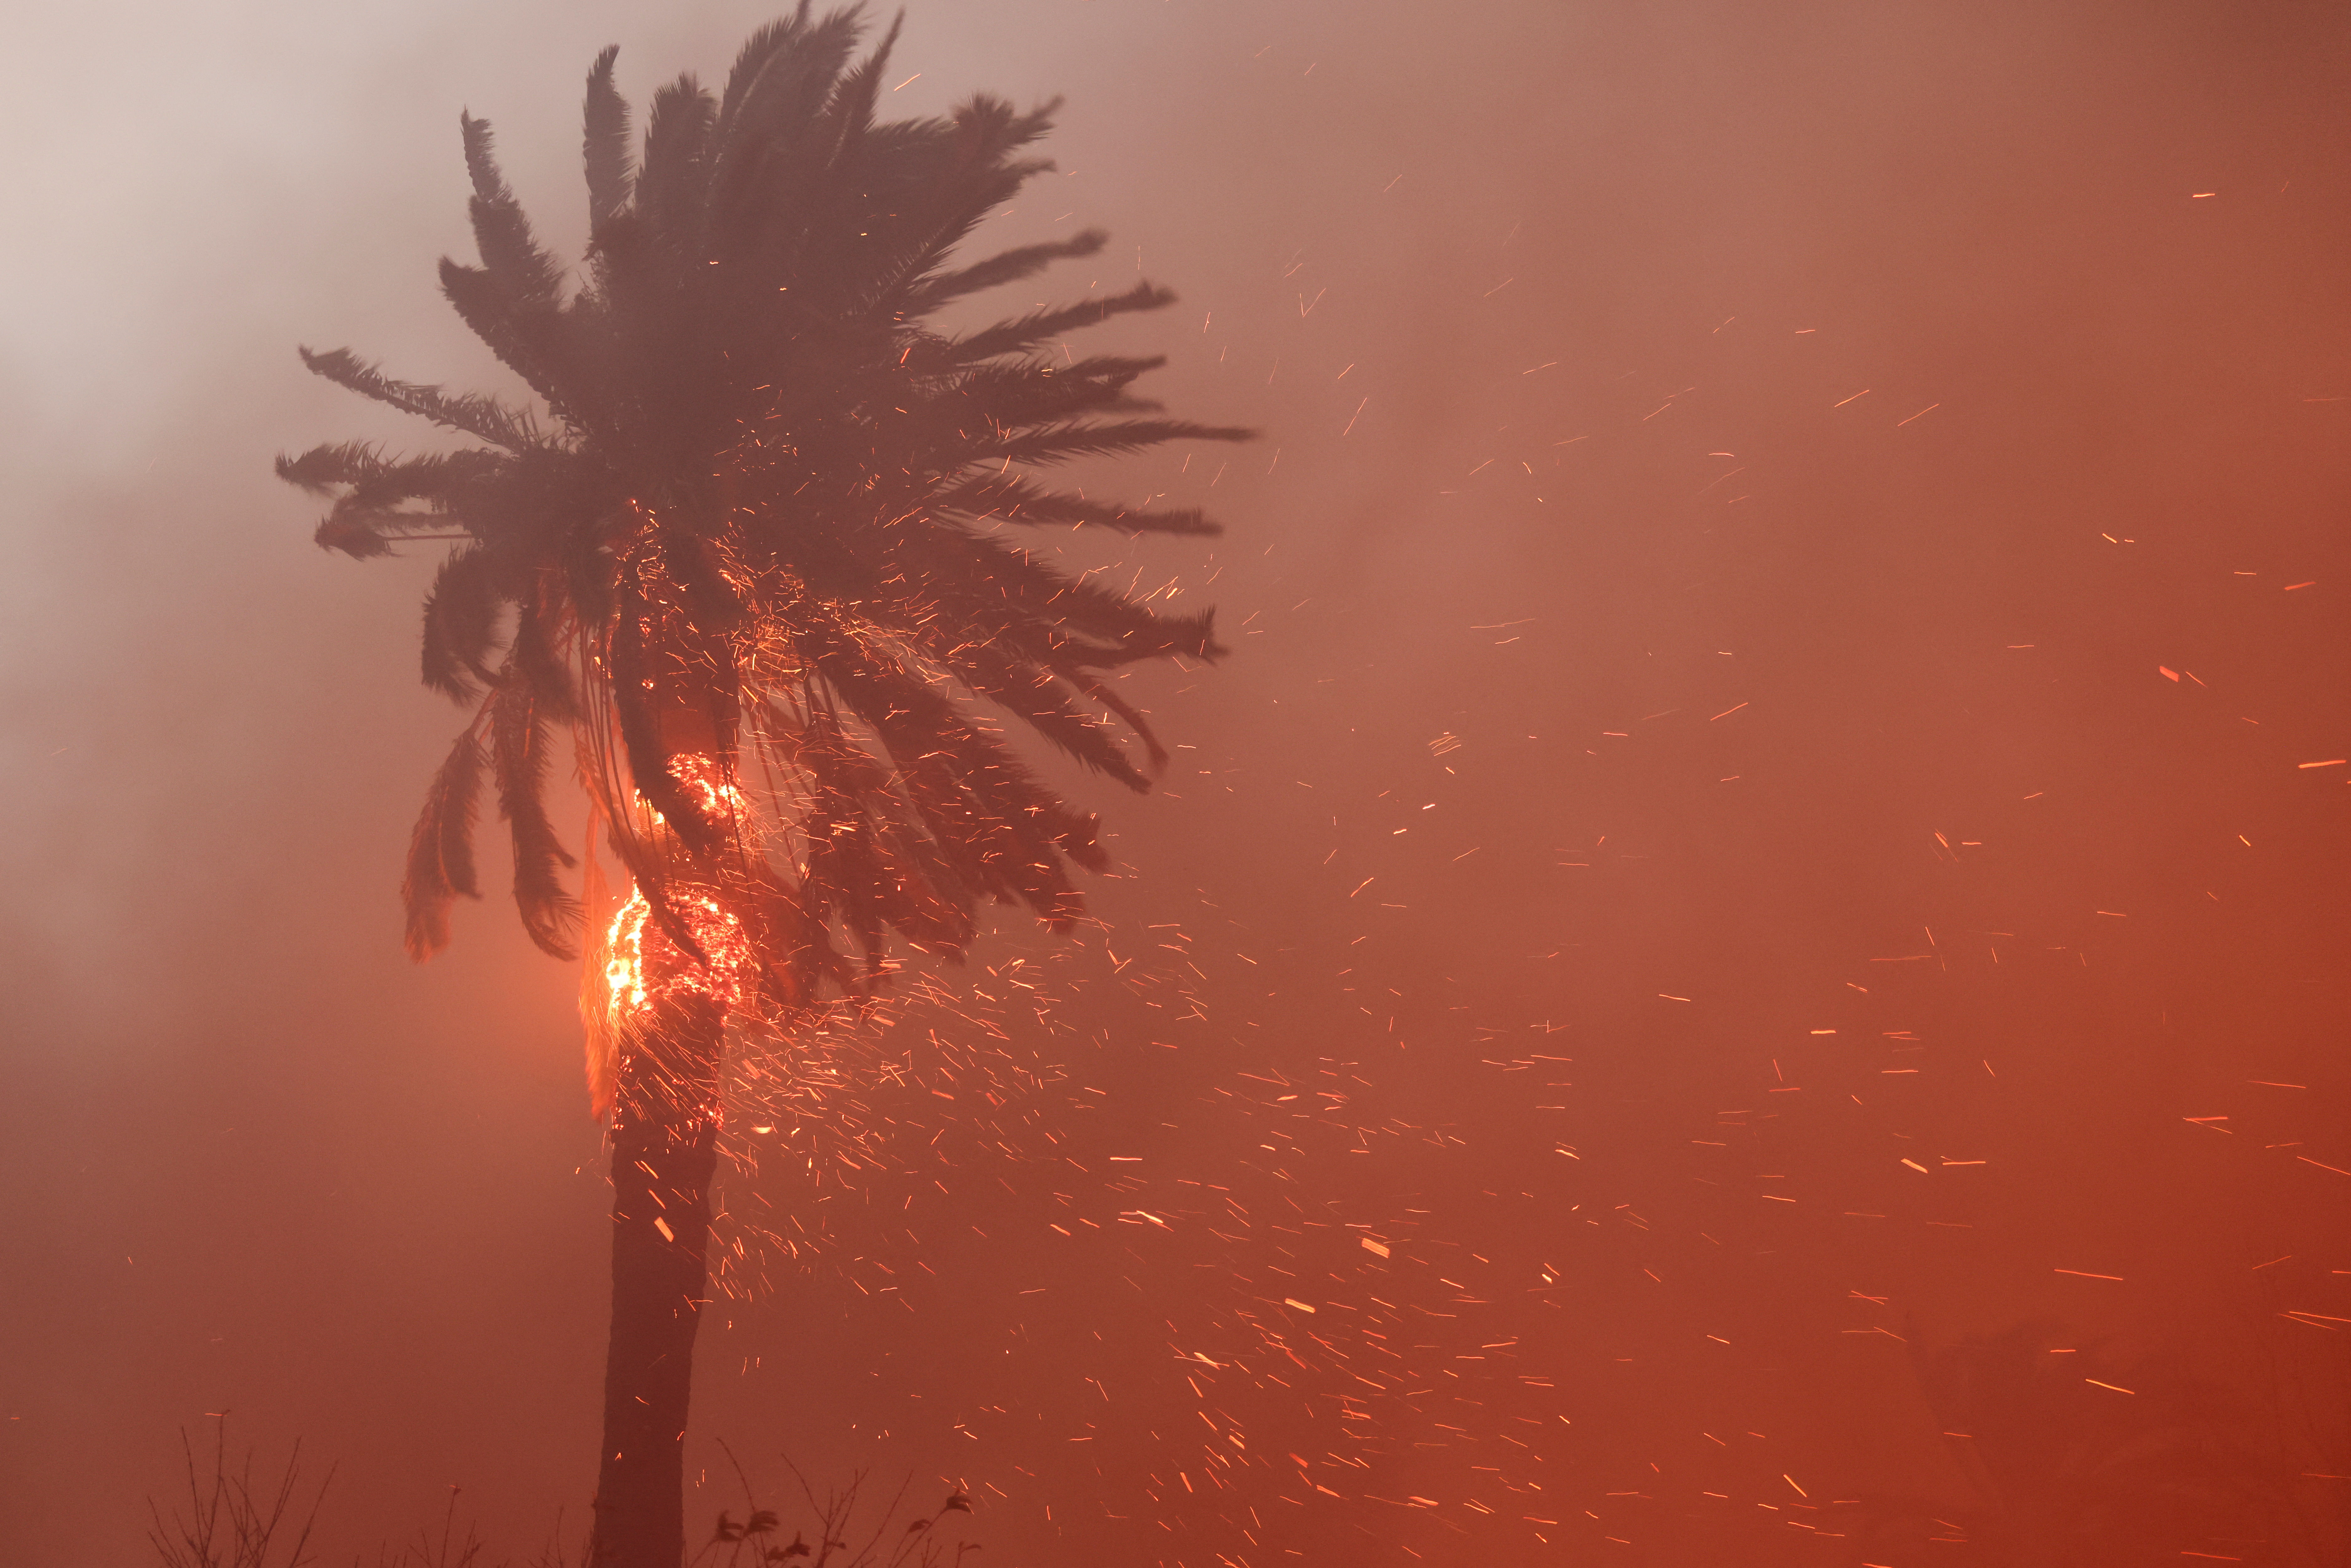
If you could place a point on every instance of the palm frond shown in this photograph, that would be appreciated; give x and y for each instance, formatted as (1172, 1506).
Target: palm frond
(1036, 696)
(1005, 266)
(849, 113)
(1058, 442)
(518, 756)
(323, 468)
(519, 330)
(1026, 332)
(1128, 714)
(674, 173)
(441, 849)
(779, 86)
(604, 143)
(1015, 498)
(476, 414)
(537, 660)
(759, 51)
(1015, 395)
(525, 273)
(461, 624)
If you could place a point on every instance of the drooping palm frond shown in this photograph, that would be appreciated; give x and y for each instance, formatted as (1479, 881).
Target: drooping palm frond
(461, 623)
(518, 756)
(749, 557)
(441, 851)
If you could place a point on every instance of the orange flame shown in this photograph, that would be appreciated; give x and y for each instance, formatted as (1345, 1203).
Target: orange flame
(641, 965)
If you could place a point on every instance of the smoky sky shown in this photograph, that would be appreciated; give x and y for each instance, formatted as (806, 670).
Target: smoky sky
(1776, 803)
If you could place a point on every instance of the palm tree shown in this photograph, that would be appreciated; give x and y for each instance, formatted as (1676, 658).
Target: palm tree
(750, 547)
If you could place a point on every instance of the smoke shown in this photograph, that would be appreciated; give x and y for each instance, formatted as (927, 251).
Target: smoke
(1793, 573)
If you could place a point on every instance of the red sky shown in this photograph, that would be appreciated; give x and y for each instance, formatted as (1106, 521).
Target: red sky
(1780, 621)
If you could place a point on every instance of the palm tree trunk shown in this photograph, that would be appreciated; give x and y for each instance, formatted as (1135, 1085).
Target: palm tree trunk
(664, 1160)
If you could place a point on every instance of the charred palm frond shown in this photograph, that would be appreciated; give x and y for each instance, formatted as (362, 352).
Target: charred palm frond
(750, 553)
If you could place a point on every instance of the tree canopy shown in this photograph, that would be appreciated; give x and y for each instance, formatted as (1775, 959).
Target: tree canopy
(754, 544)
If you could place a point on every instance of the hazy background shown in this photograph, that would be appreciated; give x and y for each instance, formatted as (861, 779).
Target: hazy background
(1773, 519)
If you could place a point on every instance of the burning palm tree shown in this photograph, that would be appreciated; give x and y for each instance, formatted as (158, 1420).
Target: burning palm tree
(751, 551)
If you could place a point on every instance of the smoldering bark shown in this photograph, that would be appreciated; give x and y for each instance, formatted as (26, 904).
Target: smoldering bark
(664, 1160)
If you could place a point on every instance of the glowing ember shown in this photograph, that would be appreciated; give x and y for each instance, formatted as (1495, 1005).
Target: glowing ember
(641, 965)
(714, 792)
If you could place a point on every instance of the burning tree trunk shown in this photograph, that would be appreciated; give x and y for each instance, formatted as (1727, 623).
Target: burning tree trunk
(665, 1142)
(664, 1011)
